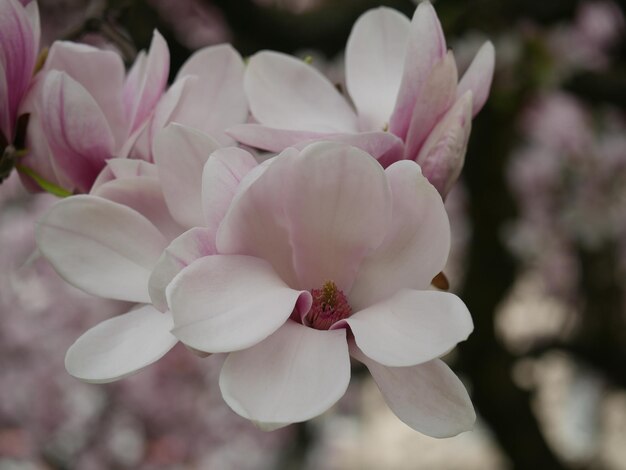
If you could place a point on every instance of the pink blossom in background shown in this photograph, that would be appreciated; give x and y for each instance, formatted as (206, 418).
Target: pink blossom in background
(324, 255)
(586, 43)
(404, 85)
(568, 178)
(84, 110)
(195, 23)
(19, 47)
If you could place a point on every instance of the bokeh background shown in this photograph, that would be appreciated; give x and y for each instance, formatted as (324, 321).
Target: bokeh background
(539, 257)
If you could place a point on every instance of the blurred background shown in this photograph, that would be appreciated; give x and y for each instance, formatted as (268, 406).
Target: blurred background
(539, 257)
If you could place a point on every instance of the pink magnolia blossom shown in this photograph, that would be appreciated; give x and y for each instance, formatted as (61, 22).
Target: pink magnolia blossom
(108, 244)
(19, 45)
(408, 101)
(83, 109)
(323, 255)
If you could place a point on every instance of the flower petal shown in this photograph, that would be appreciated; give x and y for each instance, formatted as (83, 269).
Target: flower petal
(428, 397)
(18, 52)
(416, 244)
(146, 81)
(314, 216)
(121, 346)
(294, 375)
(443, 154)
(437, 96)
(184, 250)
(143, 194)
(271, 139)
(101, 247)
(287, 93)
(221, 176)
(101, 74)
(425, 47)
(478, 77)
(180, 154)
(226, 303)
(118, 168)
(216, 100)
(411, 327)
(78, 134)
(374, 63)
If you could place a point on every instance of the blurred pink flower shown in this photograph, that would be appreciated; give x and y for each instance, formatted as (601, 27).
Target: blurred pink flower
(323, 255)
(19, 46)
(83, 110)
(404, 85)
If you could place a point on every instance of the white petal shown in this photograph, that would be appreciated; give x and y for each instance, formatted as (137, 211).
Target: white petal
(216, 101)
(226, 303)
(143, 194)
(374, 63)
(428, 397)
(294, 375)
(478, 77)
(314, 216)
(121, 346)
(287, 93)
(416, 244)
(220, 179)
(101, 247)
(412, 327)
(180, 154)
(183, 251)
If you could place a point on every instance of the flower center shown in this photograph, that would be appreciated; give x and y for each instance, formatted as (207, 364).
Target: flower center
(329, 306)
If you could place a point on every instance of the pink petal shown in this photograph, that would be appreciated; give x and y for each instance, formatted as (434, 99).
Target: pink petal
(437, 95)
(478, 77)
(292, 376)
(180, 154)
(146, 81)
(443, 154)
(383, 146)
(287, 93)
(314, 216)
(425, 47)
(411, 327)
(215, 101)
(184, 250)
(78, 134)
(101, 247)
(101, 74)
(417, 240)
(226, 303)
(220, 179)
(271, 139)
(374, 64)
(19, 42)
(144, 195)
(118, 168)
(121, 346)
(428, 397)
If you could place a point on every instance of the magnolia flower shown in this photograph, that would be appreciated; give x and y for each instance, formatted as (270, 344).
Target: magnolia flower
(83, 110)
(323, 255)
(109, 242)
(19, 45)
(408, 102)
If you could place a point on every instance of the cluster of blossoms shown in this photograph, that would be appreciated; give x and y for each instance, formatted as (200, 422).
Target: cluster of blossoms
(323, 252)
(568, 179)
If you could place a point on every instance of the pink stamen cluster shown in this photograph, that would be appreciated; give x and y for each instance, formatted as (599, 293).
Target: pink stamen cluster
(329, 306)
